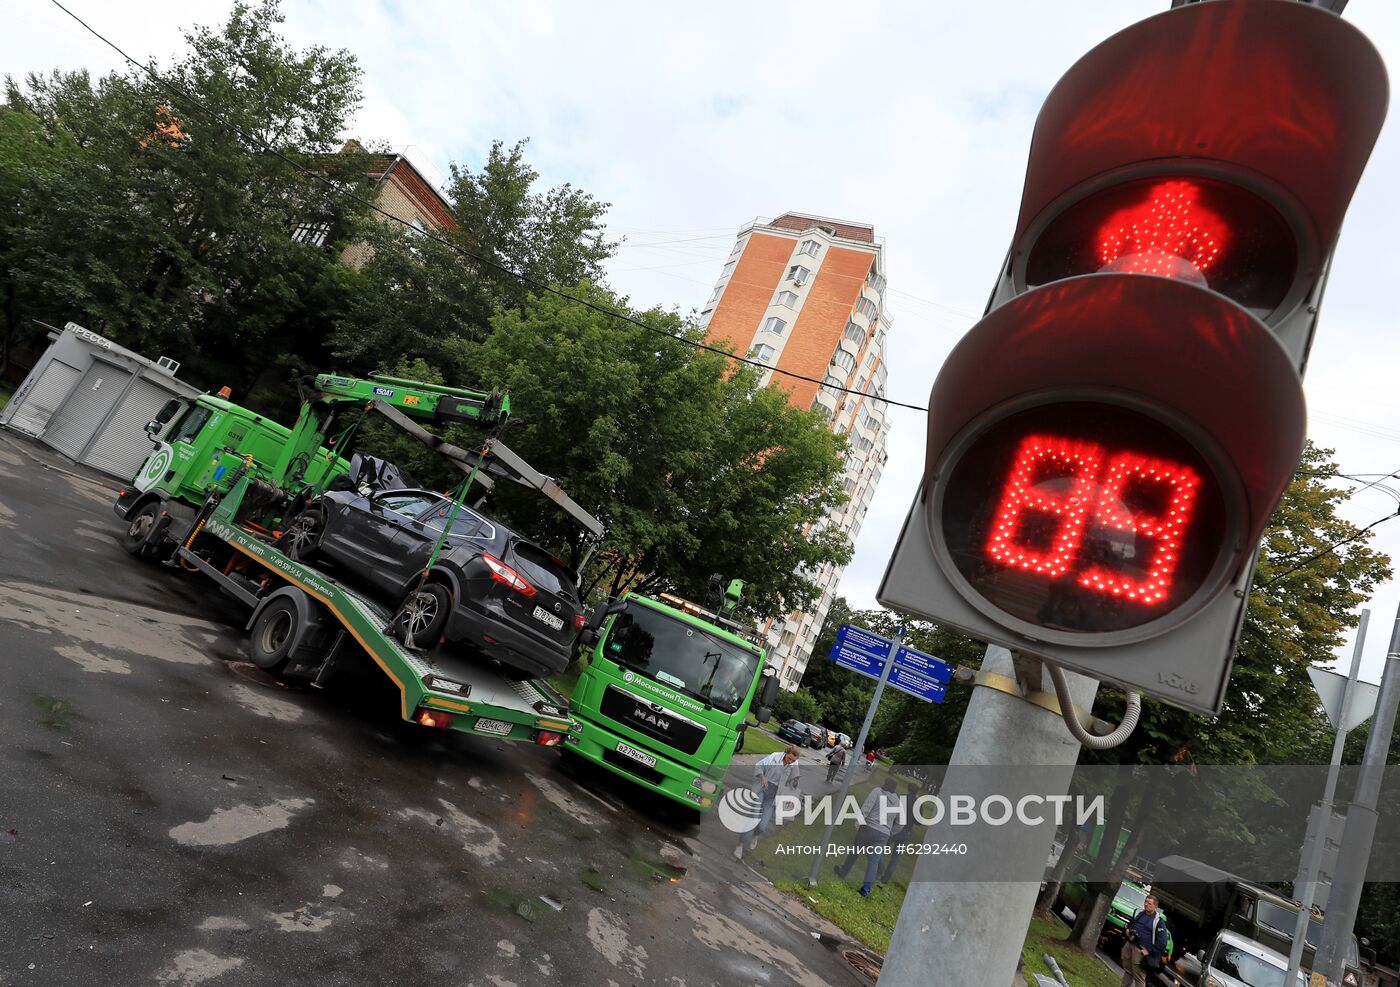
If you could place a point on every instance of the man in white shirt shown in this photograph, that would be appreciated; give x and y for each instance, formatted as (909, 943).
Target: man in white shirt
(881, 811)
(771, 773)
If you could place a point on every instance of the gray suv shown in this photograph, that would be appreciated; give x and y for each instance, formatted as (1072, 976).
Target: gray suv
(490, 590)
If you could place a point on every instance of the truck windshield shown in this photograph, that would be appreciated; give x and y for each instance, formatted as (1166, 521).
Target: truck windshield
(1283, 920)
(685, 657)
(1246, 967)
(1133, 896)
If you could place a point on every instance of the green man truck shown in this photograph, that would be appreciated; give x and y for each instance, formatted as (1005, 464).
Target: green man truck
(214, 496)
(667, 686)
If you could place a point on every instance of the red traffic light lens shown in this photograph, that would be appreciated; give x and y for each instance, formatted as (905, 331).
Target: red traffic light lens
(1201, 230)
(1084, 517)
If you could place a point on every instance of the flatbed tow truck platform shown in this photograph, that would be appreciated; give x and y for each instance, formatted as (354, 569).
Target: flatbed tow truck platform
(304, 621)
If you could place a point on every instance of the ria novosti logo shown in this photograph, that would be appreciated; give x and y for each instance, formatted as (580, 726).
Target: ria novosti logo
(739, 810)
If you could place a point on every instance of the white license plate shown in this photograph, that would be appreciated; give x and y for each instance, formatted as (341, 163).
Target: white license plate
(545, 617)
(636, 755)
(498, 727)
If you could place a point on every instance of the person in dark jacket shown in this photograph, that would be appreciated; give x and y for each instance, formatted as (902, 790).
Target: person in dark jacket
(1145, 950)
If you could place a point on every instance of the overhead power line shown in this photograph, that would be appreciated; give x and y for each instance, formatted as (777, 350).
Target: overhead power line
(496, 265)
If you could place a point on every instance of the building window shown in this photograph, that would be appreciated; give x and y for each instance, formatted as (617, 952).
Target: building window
(809, 248)
(843, 361)
(788, 298)
(867, 308)
(763, 353)
(738, 246)
(728, 269)
(312, 233)
(855, 333)
(786, 640)
(774, 325)
(719, 290)
(798, 274)
(706, 316)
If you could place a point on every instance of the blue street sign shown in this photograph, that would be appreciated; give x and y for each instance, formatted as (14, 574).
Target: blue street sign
(919, 686)
(861, 651)
(926, 665)
(859, 639)
(857, 661)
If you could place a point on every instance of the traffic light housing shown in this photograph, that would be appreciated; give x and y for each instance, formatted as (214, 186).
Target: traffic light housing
(1106, 446)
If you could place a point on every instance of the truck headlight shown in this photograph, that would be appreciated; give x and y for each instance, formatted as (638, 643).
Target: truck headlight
(705, 785)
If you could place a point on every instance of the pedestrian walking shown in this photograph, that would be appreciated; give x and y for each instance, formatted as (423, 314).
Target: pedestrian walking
(870, 760)
(900, 835)
(834, 760)
(880, 813)
(771, 774)
(1144, 952)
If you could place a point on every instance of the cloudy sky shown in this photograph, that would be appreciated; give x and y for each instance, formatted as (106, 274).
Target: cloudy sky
(693, 120)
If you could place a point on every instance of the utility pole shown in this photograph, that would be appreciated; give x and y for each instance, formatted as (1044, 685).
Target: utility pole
(1308, 890)
(1361, 825)
(970, 932)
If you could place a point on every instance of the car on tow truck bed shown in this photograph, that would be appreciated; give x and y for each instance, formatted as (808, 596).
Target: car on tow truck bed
(490, 590)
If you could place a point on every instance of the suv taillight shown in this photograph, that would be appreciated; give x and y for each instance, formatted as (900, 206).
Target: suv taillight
(579, 621)
(503, 573)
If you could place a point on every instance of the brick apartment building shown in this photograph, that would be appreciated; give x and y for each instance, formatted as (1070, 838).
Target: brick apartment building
(806, 294)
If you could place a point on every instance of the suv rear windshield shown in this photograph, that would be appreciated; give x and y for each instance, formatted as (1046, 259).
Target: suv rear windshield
(681, 655)
(543, 569)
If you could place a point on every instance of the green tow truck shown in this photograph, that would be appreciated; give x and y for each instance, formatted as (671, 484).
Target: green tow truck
(667, 686)
(214, 494)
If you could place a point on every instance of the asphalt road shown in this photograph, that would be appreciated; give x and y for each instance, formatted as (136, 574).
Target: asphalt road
(169, 815)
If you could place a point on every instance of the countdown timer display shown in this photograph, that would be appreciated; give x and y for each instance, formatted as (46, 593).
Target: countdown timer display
(1084, 518)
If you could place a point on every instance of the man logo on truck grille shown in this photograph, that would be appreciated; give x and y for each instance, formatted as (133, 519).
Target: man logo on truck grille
(739, 809)
(645, 715)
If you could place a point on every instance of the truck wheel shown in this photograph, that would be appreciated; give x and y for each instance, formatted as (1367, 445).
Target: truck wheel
(274, 635)
(138, 529)
(424, 614)
(301, 538)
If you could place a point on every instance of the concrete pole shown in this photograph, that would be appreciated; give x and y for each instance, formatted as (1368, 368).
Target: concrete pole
(971, 932)
(1323, 818)
(848, 773)
(1361, 823)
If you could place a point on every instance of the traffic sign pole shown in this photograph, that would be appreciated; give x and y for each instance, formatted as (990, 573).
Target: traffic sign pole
(1308, 890)
(849, 773)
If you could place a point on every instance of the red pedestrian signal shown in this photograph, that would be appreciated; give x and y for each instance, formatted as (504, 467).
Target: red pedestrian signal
(1106, 446)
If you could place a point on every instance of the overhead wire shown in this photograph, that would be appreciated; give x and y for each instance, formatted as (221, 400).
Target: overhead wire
(488, 262)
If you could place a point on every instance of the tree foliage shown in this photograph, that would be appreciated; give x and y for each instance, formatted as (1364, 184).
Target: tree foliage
(157, 218)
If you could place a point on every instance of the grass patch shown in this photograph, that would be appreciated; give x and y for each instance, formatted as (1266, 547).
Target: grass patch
(871, 922)
(758, 741)
(1047, 934)
(7, 391)
(867, 920)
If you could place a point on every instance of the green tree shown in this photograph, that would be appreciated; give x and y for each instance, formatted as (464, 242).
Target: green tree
(551, 236)
(692, 468)
(163, 221)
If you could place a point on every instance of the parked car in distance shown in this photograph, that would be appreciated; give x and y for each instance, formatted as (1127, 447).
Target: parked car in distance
(491, 590)
(845, 741)
(831, 736)
(816, 736)
(795, 731)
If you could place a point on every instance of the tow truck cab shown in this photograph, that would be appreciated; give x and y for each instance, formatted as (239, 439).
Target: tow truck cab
(663, 696)
(199, 446)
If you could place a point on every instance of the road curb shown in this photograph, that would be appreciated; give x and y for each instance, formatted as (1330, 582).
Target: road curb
(28, 454)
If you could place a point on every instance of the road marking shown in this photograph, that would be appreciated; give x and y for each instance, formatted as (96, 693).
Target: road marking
(608, 935)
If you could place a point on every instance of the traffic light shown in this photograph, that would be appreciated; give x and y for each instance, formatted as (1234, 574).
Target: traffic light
(1106, 446)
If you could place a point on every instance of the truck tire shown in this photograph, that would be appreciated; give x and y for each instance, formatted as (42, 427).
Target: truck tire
(275, 633)
(424, 614)
(301, 537)
(138, 529)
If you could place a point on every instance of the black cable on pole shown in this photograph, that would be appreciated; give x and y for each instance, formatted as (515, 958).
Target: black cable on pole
(524, 278)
